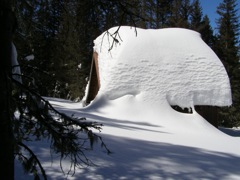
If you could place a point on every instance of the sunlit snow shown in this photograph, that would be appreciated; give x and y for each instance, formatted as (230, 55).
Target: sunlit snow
(157, 65)
(140, 78)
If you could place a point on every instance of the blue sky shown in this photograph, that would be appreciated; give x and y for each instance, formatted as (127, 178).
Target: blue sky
(210, 7)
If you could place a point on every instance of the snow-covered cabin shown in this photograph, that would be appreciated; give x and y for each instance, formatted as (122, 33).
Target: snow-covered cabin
(170, 65)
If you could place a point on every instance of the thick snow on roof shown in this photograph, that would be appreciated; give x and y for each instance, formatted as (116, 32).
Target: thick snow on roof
(171, 64)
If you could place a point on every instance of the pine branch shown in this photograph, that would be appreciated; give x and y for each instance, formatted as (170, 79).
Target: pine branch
(34, 159)
(38, 118)
(47, 105)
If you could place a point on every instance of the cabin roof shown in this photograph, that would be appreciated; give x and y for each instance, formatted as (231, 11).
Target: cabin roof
(171, 64)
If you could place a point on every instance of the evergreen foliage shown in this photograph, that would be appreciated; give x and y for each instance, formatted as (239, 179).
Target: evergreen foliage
(207, 32)
(60, 35)
(201, 24)
(25, 115)
(227, 48)
(180, 14)
(196, 16)
(35, 119)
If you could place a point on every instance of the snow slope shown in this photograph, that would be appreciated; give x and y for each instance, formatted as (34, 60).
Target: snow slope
(140, 78)
(150, 145)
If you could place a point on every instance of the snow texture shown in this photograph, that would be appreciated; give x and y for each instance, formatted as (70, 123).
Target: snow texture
(170, 64)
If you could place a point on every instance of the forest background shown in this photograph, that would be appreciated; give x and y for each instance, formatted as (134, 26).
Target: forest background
(54, 39)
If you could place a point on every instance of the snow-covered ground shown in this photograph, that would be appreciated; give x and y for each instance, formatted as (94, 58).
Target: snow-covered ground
(140, 79)
(147, 149)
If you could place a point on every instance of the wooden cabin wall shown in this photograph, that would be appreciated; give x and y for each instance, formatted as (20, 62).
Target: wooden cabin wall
(210, 113)
(94, 82)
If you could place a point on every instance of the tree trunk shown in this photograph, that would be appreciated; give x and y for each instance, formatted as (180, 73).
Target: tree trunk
(6, 133)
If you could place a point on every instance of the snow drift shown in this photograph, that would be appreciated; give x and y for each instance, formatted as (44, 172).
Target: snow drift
(145, 73)
(170, 64)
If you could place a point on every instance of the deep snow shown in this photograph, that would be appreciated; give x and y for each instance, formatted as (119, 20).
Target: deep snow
(170, 64)
(148, 149)
(140, 78)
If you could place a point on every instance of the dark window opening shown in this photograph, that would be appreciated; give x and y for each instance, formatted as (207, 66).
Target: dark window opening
(210, 113)
(182, 110)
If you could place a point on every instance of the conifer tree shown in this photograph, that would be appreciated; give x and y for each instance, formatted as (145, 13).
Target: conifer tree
(25, 114)
(180, 14)
(38, 27)
(227, 48)
(207, 32)
(162, 13)
(196, 16)
(201, 24)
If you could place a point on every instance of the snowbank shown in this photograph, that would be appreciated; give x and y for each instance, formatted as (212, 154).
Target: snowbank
(143, 75)
(170, 64)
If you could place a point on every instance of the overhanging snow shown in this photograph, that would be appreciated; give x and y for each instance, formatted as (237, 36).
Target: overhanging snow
(170, 64)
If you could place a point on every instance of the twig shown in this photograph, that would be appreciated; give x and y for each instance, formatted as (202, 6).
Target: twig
(35, 158)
